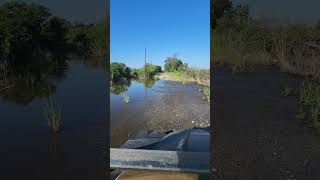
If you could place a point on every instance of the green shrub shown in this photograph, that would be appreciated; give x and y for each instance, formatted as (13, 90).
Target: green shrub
(119, 71)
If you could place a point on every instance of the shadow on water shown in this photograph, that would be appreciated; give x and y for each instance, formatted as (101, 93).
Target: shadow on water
(56, 157)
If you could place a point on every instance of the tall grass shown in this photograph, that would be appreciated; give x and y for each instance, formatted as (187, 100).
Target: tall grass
(52, 113)
(197, 75)
(4, 76)
(293, 48)
(310, 100)
(206, 92)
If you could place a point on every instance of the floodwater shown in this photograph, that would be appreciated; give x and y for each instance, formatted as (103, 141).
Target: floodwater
(256, 134)
(155, 105)
(29, 150)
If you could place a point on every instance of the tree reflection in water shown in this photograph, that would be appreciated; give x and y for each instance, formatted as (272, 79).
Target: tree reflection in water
(123, 86)
(56, 157)
(28, 82)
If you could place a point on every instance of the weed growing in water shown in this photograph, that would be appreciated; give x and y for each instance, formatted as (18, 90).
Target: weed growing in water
(309, 92)
(126, 97)
(4, 76)
(310, 98)
(206, 91)
(315, 113)
(289, 91)
(242, 66)
(52, 113)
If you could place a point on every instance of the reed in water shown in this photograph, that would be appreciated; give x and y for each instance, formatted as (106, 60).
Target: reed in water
(52, 113)
(126, 97)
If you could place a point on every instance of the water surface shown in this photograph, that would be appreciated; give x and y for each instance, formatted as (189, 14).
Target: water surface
(29, 149)
(155, 105)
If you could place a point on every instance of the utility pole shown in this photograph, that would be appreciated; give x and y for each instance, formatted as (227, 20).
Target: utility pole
(145, 63)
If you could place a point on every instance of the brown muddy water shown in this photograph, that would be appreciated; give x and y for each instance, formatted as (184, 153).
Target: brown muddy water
(256, 134)
(29, 150)
(156, 105)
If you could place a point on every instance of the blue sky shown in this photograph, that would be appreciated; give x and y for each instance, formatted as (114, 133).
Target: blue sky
(164, 27)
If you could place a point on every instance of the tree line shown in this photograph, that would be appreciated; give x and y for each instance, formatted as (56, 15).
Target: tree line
(30, 33)
(119, 71)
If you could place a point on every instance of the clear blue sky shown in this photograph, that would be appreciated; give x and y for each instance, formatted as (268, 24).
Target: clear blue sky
(164, 27)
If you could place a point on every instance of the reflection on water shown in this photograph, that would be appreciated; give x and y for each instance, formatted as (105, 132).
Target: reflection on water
(28, 148)
(156, 105)
(121, 87)
(56, 157)
(27, 85)
(137, 91)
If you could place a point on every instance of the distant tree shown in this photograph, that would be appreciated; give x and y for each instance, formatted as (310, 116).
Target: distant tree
(172, 64)
(158, 69)
(183, 67)
(151, 70)
(134, 73)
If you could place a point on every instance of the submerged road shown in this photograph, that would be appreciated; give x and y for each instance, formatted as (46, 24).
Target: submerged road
(256, 134)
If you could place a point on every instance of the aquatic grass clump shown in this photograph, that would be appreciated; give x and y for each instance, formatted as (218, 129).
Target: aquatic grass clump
(310, 100)
(289, 91)
(126, 97)
(52, 114)
(4, 76)
(309, 92)
(206, 92)
(315, 113)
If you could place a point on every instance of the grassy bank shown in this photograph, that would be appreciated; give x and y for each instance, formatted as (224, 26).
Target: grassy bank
(241, 40)
(199, 76)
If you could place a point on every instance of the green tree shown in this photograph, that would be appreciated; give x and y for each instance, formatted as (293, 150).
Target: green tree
(158, 69)
(134, 73)
(150, 69)
(172, 64)
(119, 71)
(21, 36)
